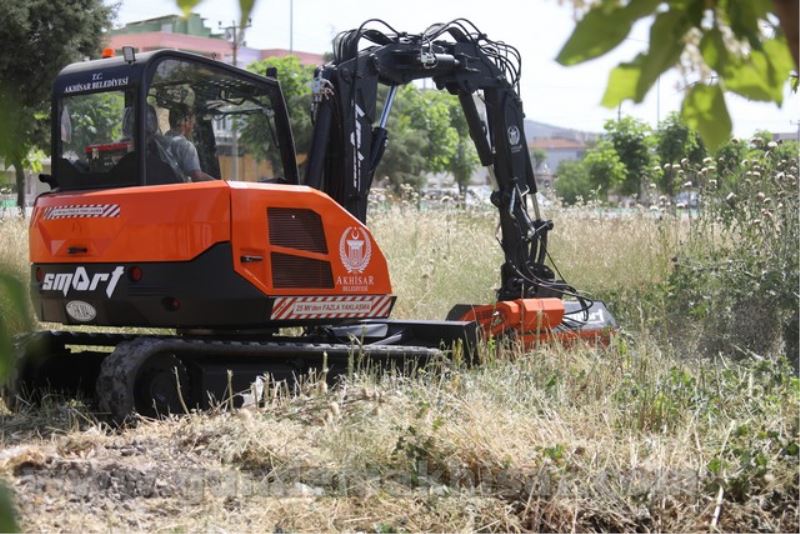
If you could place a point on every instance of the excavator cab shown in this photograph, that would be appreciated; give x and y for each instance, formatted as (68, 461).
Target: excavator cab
(129, 123)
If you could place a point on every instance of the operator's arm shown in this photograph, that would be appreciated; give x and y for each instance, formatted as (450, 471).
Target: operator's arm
(189, 161)
(200, 176)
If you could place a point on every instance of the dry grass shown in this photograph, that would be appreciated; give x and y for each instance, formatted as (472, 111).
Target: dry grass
(14, 244)
(442, 257)
(630, 437)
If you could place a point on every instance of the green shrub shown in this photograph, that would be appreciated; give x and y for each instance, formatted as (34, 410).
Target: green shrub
(735, 282)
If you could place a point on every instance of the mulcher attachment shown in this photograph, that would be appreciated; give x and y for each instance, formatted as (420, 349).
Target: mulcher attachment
(533, 321)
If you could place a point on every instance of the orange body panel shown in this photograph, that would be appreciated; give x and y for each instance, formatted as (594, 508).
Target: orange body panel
(149, 224)
(249, 203)
(174, 223)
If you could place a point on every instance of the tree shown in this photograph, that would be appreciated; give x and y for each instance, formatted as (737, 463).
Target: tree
(600, 172)
(632, 142)
(421, 137)
(295, 80)
(538, 156)
(731, 45)
(729, 159)
(572, 182)
(464, 160)
(429, 113)
(403, 162)
(604, 168)
(41, 36)
(675, 140)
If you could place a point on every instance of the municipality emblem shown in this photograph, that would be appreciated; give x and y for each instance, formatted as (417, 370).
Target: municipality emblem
(513, 135)
(355, 249)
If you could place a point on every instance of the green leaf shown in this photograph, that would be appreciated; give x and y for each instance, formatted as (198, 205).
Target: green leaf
(779, 55)
(8, 521)
(602, 28)
(666, 45)
(622, 82)
(704, 110)
(632, 80)
(751, 79)
(713, 49)
(715, 466)
(245, 8)
(187, 5)
(761, 76)
(14, 311)
(743, 17)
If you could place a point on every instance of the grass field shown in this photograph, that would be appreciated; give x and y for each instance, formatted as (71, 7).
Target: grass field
(643, 435)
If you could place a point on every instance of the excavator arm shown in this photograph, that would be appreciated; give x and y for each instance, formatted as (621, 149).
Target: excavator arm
(349, 138)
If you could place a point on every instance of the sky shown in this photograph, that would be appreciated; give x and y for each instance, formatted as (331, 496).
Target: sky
(563, 96)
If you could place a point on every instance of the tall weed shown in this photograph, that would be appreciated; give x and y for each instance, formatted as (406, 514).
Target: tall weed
(734, 288)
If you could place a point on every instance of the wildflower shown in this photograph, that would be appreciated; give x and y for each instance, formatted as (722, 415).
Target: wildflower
(772, 144)
(687, 185)
(707, 160)
(685, 161)
(760, 196)
(731, 198)
(712, 183)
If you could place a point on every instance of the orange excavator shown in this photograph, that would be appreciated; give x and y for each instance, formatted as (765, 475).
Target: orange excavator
(176, 203)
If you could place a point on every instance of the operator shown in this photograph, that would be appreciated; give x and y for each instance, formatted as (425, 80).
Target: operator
(181, 123)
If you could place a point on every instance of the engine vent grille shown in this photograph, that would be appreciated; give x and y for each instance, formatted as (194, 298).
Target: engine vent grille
(296, 228)
(296, 272)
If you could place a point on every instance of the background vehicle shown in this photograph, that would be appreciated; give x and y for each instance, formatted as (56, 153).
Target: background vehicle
(126, 239)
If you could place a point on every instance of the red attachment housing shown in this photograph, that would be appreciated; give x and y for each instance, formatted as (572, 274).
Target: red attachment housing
(532, 321)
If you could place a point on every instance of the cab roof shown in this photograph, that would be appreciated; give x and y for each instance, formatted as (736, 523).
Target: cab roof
(106, 73)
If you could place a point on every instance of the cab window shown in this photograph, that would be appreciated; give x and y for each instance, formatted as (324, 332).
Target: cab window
(96, 146)
(206, 123)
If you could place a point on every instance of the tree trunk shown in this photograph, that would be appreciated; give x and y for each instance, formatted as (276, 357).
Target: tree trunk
(19, 171)
(787, 11)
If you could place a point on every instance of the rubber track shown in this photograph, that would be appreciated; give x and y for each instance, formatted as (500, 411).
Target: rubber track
(115, 384)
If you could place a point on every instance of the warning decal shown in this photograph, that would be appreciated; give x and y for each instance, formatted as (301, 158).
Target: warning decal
(332, 307)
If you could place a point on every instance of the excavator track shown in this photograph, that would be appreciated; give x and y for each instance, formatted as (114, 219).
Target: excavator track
(143, 374)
